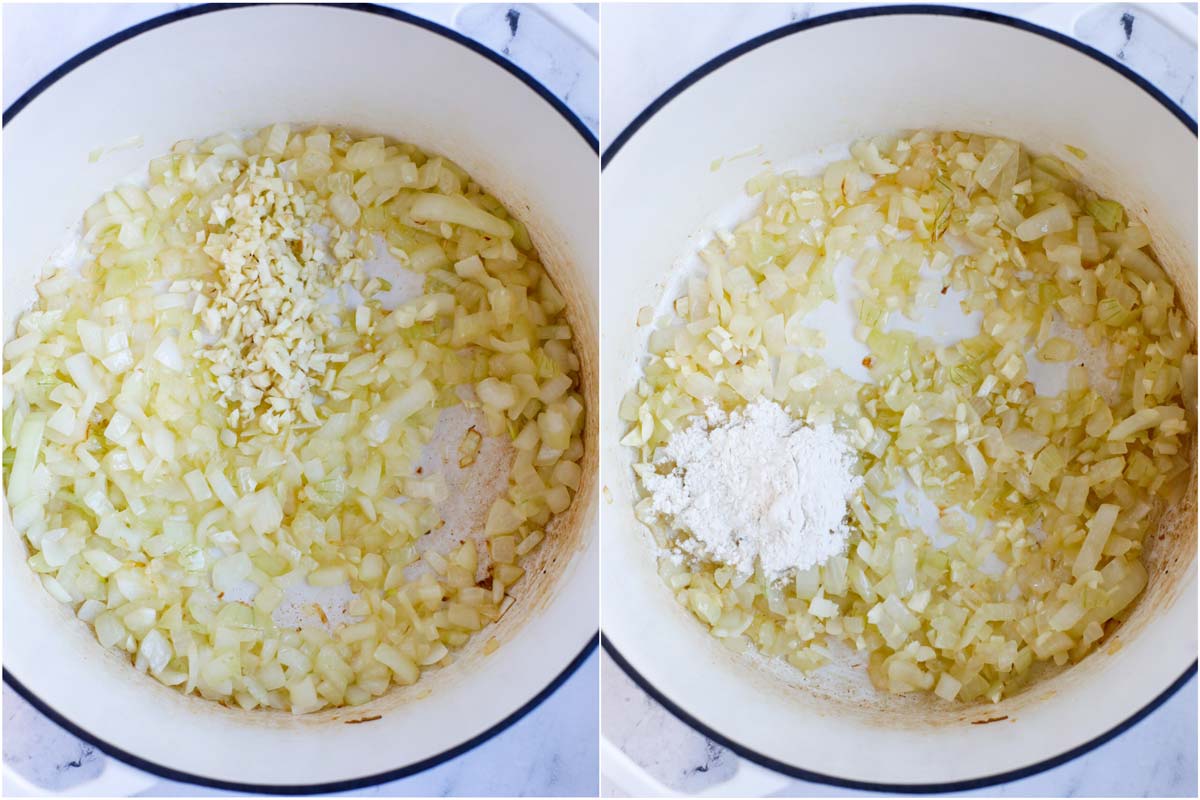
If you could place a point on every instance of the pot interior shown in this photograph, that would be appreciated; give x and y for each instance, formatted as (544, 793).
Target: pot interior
(368, 73)
(791, 98)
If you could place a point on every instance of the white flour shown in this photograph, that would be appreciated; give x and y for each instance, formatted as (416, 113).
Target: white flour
(756, 485)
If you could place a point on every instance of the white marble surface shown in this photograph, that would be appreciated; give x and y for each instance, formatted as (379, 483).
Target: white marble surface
(553, 750)
(643, 55)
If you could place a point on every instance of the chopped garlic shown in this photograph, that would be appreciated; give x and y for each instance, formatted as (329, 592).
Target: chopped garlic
(265, 305)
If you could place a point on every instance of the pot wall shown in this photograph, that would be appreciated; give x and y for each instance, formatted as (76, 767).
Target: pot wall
(834, 83)
(372, 74)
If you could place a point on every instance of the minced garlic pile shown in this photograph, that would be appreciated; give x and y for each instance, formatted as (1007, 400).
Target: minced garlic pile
(265, 307)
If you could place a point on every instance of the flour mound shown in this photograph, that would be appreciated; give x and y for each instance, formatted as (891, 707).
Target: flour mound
(756, 485)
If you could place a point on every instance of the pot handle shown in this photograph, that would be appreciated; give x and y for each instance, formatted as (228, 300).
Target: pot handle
(567, 17)
(115, 780)
(750, 780)
(1064, 17)
(574, 22)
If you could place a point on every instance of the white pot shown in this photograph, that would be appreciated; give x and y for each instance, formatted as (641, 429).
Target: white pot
(827, 81)
(196, 73)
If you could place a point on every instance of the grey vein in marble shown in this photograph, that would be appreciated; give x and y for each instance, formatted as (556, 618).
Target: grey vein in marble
(42, 748)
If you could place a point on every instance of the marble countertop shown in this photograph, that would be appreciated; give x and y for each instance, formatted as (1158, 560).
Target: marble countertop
(553, 750)
(643, 55)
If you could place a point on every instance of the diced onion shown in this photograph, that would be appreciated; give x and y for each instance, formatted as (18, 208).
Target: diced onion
(1044, 500)
(222, 408)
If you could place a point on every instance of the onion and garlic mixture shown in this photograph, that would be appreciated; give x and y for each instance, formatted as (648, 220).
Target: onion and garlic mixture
(223, 409)
(1044, 498)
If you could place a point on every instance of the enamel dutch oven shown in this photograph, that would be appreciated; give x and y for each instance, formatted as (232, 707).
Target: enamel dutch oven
(195, 73)
(831, 80)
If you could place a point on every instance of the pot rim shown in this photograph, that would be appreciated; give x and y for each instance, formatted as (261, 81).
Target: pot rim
(623, 138)
(62, 720)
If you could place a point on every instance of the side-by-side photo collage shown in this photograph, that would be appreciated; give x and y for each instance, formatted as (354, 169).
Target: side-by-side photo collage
(599, 400)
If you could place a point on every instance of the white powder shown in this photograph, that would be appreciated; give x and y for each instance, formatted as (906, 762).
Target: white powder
(756, 485)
